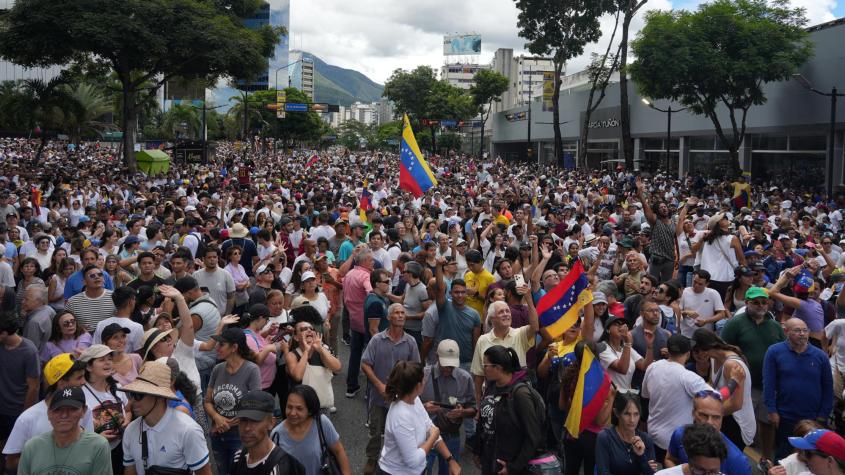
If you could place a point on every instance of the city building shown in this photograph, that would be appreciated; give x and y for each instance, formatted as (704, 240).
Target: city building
(525, 75)
(301, 73)
(385, 111)
(13, 72)
(786, 136)
(461, 75)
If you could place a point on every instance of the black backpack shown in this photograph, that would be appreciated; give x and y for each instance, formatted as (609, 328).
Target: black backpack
(536, 399)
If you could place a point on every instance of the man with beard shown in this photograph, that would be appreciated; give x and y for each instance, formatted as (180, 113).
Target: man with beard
(664, 256)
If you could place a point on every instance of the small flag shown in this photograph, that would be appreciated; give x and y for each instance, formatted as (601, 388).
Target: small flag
(590, 393)
(312, 161)
(559, 308)
(414, 175)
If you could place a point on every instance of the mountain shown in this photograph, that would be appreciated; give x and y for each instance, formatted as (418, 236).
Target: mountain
(336, 85)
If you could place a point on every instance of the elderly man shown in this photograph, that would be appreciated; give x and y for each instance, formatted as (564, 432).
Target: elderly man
(797, 383)
(449, 397)
(356, 286)
(520, 339)
(38, 316)
(382, 353)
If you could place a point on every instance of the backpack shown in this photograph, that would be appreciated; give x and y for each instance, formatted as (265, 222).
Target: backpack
(536, 399)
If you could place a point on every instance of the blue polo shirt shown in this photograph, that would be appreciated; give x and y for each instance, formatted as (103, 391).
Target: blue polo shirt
(736, 462)
(797, 385)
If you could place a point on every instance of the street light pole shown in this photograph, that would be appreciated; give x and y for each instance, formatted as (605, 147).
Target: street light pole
(833, 95)
(669, 111)
(276, 80)
(530, 97)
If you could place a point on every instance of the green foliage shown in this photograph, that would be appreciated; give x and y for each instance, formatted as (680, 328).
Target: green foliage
(410, 91)
(720, 57)
(488, 88)
(560, 28)
(141, 40)
(449, 141)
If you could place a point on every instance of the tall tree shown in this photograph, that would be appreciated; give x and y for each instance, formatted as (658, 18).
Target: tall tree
(560, 29)
(141, 40)
(628, 8)
(718, 58)
(488, 88)
(410, 90)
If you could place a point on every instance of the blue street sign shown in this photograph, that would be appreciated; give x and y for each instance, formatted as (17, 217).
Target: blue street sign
(296, 107)
(448, 123)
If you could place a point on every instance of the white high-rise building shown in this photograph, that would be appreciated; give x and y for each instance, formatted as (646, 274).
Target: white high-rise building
(13, 72)
(461, 75)
(301, 73)
(524, 73)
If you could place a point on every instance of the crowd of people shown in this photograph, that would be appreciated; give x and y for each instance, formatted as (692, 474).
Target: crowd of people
(193, 322)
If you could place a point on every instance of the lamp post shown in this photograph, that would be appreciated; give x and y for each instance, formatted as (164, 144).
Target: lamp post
(833, 94)
(276, 80)
(669, 111)
(204, 129)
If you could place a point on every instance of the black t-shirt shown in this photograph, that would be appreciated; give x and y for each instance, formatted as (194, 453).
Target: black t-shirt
(278, 462)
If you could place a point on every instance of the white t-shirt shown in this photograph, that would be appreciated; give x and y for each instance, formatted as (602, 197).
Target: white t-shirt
(670, 388)
(104, 407)
(836, 329)
(706, 303)
(622, 381)
(676, 470)
(133, 339)
(33, 422)
(405, 429)
(185, 356)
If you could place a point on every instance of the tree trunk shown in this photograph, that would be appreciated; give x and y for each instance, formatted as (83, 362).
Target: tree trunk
(433, 139)
(481, 141)
(130, 121)
(581, 162)
(556, 114)
(627, 144)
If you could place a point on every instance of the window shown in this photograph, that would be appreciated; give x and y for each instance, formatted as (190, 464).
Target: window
(808, 142)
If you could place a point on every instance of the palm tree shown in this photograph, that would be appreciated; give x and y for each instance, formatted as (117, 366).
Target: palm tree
(87, 105)
(46, 103)
(177, 116)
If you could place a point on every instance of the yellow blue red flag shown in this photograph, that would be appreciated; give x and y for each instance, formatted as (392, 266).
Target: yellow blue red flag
(560, 307)
(591, 390)
(414, 175)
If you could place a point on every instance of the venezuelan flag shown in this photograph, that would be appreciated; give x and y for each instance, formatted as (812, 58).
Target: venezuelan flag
(559, 308)
(311, 161)
(364, 203)
(590, 393)
(414, 175)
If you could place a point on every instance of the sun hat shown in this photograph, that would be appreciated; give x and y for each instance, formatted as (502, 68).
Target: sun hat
(151, 337)
(154, 379)
(714, 221)
(448, 353)
(756, 292)
(238, 230)
(57, 368)
(95, 351)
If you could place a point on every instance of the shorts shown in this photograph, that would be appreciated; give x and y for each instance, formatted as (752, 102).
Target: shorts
(761, 413)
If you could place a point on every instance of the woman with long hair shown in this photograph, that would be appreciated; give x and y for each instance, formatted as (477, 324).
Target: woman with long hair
(310, 294)
(182, 385)
(311, 362)
(265, 351)
(619, 358)
(109, 243)
(126, 365)
(294, 288)
(238, 273)
(119, 276)
(623, 449)
(56, 283)
(735, 295)
(299, 433)
(738, 423)
(582, 451)
(510, 429)
(236, 375)
(109, 407)
(279, 328)
(59, 255)
(66, 336)
(721, 253)
(28, 274)
(409, 433)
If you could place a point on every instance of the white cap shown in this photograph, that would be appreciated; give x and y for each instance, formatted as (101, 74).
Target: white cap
(448, 353)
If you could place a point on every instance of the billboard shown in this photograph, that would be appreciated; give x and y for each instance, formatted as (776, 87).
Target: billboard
(454, 45)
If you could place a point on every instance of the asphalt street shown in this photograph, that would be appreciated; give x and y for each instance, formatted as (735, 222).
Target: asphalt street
(352, 414)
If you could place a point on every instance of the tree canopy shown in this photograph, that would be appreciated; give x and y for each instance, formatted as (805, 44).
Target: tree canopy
(488, 88)
(141, 40)
(718, 58)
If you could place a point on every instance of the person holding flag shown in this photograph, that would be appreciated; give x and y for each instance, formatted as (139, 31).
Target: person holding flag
(415, 176)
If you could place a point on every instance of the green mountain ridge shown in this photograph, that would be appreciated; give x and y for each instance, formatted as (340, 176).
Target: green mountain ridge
(336, 85)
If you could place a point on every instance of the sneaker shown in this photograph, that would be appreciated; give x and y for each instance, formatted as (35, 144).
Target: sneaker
(350, 393)
(346, 340)
(332, 410)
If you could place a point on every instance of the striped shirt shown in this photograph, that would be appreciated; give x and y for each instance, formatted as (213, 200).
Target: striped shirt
(90, 311)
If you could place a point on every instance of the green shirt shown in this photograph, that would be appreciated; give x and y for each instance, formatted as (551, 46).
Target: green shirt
(754, 340)
(90, 455)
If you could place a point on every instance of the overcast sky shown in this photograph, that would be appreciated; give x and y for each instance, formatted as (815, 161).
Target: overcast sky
(376, 37)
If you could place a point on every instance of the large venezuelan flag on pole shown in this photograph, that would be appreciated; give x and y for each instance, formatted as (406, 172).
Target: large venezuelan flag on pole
(559, 308)
(590, 393)
(414, 175)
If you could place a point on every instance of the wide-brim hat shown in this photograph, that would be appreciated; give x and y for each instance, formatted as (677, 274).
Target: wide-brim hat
(714, 221)
(154, 379)
(238, 230)
(151, 337)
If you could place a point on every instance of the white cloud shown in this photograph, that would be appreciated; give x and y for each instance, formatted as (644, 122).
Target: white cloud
(376, 37)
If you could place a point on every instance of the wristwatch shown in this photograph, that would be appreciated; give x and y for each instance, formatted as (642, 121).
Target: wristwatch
(450, 458)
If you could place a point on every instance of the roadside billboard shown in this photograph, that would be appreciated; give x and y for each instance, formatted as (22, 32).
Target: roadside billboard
(455, 45)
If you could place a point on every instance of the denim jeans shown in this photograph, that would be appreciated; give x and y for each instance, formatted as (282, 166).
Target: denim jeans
(359, 343)
(224, 447)
(454, 444)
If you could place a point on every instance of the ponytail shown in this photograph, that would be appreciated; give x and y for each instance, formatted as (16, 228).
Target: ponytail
(403, 379)
(507, 358)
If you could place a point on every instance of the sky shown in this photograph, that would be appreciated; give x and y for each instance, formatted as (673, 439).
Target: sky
(376, 37)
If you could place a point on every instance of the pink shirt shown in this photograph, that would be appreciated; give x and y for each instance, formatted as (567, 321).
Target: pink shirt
(267, 368)
(356, 286)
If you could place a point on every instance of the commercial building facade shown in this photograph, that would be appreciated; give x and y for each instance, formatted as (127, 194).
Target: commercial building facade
(786, 136)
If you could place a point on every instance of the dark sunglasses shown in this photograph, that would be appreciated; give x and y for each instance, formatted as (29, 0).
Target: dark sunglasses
(137, 396)
(95, 275)
(69, 323)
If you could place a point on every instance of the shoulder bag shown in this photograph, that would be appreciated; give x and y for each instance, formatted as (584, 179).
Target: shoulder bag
(328, 463)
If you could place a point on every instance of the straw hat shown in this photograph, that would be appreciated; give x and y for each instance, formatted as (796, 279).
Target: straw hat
(151, 337)
(238, 230)
(154, 380)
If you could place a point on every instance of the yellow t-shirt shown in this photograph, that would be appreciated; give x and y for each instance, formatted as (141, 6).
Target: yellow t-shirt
(481, 282)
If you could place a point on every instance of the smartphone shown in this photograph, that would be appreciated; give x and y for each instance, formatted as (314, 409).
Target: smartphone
(519, 280)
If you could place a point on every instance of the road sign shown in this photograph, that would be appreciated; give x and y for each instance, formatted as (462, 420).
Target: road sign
(296, 107)
(319, 107)
(281, 98)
